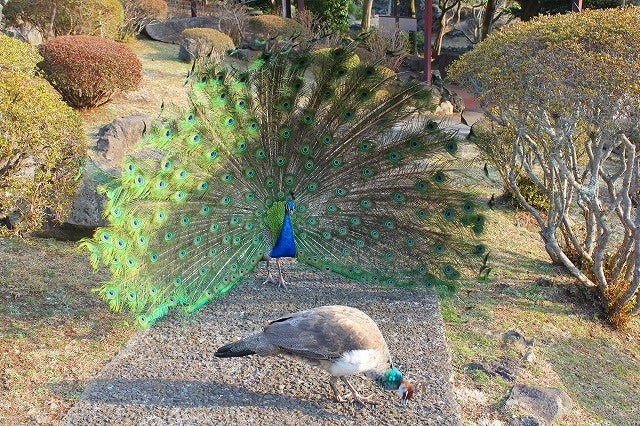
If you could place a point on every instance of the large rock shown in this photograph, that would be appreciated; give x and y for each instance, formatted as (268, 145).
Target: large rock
(117, 138)
(169, 31)
(548, 405)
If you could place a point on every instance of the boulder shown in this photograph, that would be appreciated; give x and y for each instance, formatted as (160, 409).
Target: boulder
(117, 138)
(169, 31)
(547, 405)
(25, 32)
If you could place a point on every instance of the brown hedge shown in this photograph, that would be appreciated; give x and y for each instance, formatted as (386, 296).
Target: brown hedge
(89, 70)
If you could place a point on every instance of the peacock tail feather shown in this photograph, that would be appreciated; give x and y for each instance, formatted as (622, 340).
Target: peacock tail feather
(369, 172)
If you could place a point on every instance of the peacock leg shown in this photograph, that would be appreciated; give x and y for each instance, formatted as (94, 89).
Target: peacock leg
(282, 282)
(269, 279)
(332, 382)
(356, 396)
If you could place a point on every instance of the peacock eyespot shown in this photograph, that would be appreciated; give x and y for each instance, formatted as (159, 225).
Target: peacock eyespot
(168, 236)
(205, 210)
(327, 139)
(389, 224)
(168, 133)
(289, 180)
(342, 230)
(374, 234)
(203, 186)
(280, 161)
(242, 147)
(480, 248)
(250, 173)
(309, 165)
(185, 220)
(398, 197)
(448, 213)
(167, 165)
(261, 154)
(140, 180)
(421, 213)
(438, 177)
(230, 121)
(197, 239)
(241, 104)
(348, 115)
(365, 203)
(142, 241)
(131, 167)
(182, 254)
(227, 177)
(331, 208)
(467, 207)
(355, 221)
(161, 184)
(439, 248)
(409, 242)
(196, 138)
(190, 117)
(336, 162)
(111, 294)
(154, 257)
(359, 243)
(340, 192)
(367, 172)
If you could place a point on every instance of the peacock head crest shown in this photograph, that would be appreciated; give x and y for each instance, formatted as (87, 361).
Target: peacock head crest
(291, 203)
(392, 379)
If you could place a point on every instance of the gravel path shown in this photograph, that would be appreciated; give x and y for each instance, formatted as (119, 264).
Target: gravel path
(167, 375)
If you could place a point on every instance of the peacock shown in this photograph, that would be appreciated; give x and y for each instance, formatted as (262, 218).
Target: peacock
(299, 152)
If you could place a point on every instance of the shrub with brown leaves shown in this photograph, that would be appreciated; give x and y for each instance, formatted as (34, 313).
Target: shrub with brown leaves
(89, 70)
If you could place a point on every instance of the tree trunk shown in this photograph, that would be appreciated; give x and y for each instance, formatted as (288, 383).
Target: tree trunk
(366, 15)
(487, 20)
(437, 45)
(413, 48)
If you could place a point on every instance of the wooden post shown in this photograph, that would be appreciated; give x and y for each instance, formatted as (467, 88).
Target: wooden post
(428, 35)
(300, 6)
(576, 5)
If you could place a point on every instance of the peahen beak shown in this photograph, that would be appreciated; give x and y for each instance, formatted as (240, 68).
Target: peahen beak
(406, 392)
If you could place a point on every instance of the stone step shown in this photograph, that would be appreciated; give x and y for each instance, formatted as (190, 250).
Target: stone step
(168, 374)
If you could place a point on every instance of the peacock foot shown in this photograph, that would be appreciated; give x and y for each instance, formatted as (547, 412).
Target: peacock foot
(364, 400)
(281, 283)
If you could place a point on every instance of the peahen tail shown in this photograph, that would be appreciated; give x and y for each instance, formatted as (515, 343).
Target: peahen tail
(375, 199)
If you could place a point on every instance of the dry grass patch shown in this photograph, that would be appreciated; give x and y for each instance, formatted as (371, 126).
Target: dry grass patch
(55, 335)
(573, 347)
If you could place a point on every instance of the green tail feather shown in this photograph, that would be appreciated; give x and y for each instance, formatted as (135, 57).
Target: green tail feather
(368, 169)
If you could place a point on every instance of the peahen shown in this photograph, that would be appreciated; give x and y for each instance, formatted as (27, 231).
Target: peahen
(304, 153)
(340, 339)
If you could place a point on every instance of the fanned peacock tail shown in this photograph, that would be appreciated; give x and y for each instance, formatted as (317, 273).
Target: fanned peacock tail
(349, 142)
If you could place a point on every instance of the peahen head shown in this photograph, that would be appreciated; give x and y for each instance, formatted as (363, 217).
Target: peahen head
(392, 380)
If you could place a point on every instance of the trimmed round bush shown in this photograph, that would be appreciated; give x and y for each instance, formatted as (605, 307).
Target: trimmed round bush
(89, 70)
(206, 41)
(42, 148)
(17, 55)
(267, 26)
